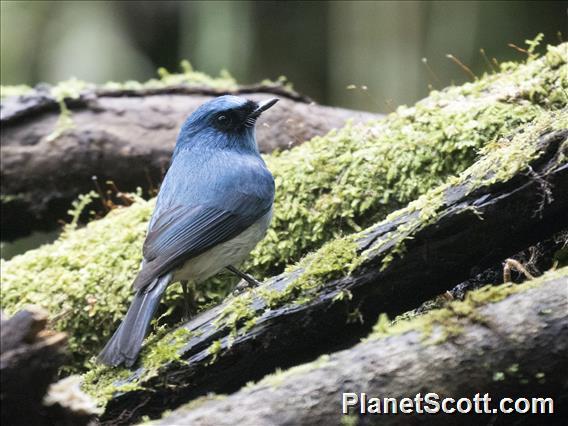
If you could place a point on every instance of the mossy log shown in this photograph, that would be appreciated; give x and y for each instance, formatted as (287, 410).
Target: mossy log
(514, 347)
(49, 156)
(326, 188)
(513, 196)
(29, 361)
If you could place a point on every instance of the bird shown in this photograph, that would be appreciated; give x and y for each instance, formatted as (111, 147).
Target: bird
(213, 207)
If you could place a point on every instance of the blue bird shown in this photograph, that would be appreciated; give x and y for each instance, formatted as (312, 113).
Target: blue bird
(214, 206)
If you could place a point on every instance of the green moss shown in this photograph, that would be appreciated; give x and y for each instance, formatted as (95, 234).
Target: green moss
(343, 182)
(327, 188)
(78, 207)
(73, 88)
(498, 376)
(335, 259)
(103, 382)
(349, 420)
(426, 206)
(214, 349)
(83, 279)
(11, 198)
(382, 326)
(499, 161)
(18, 90)
(272, 298)
(188, 77)
(342, 295)
(70, 89)
(165, 349)
(424, 324)
(450, 319)
(236, 312)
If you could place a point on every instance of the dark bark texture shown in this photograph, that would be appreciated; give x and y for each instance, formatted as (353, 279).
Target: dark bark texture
(29, 360)
(126, 136)
(472, 229)
(512, 348)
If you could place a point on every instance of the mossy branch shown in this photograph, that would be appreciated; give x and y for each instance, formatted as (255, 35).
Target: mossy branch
(328, 187)
(415, 357)
(493, 209)
(54, 139)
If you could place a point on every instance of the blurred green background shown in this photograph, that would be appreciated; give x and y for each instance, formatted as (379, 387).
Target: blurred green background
(322, 47)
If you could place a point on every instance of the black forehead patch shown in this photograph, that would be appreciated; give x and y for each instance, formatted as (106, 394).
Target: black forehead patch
(241, 112)
(247, 107)
(234, 117)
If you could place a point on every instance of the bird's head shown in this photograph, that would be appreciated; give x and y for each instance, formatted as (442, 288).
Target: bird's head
(224, 122)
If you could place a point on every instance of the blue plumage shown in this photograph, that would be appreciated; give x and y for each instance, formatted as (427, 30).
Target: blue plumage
(214, 205)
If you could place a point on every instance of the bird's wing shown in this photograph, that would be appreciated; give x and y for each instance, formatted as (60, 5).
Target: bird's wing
(181, 233)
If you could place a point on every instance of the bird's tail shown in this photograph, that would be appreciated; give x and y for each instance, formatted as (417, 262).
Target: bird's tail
(126, 342)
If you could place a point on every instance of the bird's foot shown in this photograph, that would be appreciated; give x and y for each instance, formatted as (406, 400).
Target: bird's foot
(247, 281)
(244, 285)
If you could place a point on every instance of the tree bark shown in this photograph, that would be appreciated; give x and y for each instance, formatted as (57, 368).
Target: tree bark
(515, 348)
(476, 226)
(29, 360)
(126, 136)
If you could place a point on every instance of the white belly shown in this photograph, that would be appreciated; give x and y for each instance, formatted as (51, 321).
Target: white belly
(230, 252)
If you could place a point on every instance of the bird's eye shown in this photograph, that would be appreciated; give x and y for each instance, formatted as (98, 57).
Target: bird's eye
(223, 121)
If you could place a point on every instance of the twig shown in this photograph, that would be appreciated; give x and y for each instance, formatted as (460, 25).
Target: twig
(517, 266)
(487, 61)
(104, 200)
(496, 63)
(462, 66)
(518, 49)
(430, 70)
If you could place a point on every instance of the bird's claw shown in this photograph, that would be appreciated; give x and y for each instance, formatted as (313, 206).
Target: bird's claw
(244, 285)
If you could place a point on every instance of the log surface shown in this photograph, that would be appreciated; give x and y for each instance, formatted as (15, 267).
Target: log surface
(126, 136)
(514, 350)
(29, 360)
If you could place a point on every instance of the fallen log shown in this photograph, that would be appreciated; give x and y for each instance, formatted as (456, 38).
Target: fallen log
(329, 186)
(29, 360)
(416, 147)
(465, 349)
(513, 196)
(123, 135)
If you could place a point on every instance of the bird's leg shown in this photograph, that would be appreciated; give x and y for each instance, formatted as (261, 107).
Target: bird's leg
(187, 302)
(250, 280)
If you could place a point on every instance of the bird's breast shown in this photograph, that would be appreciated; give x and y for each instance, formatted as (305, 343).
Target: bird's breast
(231, 252)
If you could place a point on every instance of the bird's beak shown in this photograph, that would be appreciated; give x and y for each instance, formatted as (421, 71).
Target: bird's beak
(263, 106)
